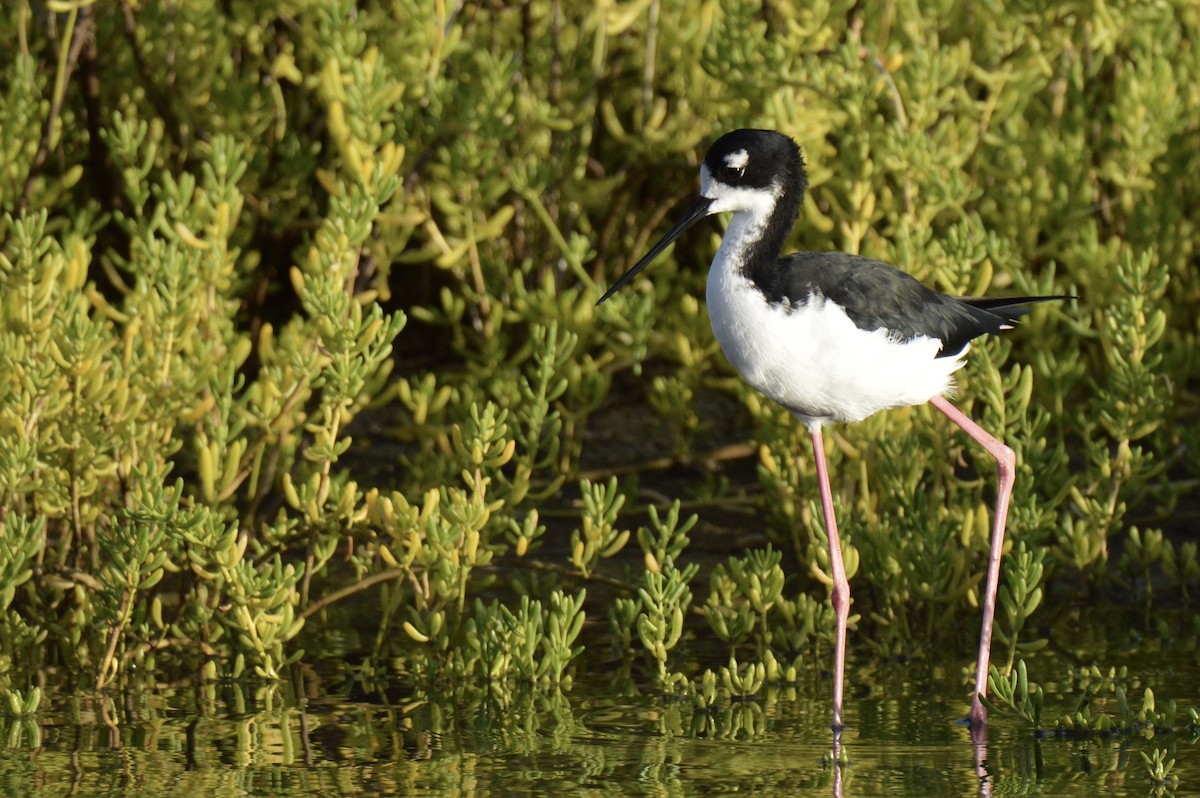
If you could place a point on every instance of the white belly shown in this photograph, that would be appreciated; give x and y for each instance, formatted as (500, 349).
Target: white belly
(813, 360)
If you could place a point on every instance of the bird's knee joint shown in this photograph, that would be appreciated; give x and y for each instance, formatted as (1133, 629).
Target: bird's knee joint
(840, 599)
(1008, 458)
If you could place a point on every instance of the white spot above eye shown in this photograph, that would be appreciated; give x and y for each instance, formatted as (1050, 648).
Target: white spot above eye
(737, 160)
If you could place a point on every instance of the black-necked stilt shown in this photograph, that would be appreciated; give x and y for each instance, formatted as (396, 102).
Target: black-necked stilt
(832, 336)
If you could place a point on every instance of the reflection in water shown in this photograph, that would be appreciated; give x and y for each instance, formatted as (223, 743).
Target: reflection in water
(837, 762)
(979, 735)
(316, 735)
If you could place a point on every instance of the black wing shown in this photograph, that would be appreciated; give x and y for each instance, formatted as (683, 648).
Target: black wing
(877, 296)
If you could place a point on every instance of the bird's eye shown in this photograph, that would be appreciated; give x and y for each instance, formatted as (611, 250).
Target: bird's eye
(730, 174)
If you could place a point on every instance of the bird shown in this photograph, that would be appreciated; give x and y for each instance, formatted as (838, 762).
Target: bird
(835, 337)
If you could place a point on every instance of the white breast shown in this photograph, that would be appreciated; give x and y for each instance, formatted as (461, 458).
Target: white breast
(812, 358)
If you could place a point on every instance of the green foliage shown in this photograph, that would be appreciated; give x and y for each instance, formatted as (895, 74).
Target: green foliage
(24, 705)
(1102, 705)
(297, 304)
(743, 593)
(533, 645)
(1018, 599)
(598, 537)
(669, 538)
(122, 374)
(1126, 410)
(1014, 693)
(1159, 768)
(743, 682)
(665, 598)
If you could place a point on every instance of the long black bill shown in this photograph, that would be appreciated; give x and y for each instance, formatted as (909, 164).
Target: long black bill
(693, 214)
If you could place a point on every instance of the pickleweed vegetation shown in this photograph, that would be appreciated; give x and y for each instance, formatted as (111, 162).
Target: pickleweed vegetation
(300, 357)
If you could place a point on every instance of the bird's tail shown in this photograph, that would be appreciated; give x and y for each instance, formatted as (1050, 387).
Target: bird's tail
(1011, 308)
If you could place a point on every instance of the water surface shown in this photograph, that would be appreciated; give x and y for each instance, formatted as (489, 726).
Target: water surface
(333, 733)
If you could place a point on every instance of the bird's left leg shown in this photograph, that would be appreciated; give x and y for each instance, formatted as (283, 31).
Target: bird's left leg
(1006, 461)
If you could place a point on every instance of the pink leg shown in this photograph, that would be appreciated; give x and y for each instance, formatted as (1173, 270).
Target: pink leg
(1006, 462)
(841, 587)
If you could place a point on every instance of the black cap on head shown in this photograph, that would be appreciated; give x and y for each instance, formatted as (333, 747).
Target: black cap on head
(763, 160)
(756, 159)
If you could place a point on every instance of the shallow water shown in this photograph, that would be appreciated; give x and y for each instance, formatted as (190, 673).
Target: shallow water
(330, 734)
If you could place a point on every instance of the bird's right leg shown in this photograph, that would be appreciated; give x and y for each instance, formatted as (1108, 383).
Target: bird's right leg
(841, 587)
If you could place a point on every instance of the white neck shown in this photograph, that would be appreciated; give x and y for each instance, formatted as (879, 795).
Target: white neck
(745, 228)
(752, 209)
